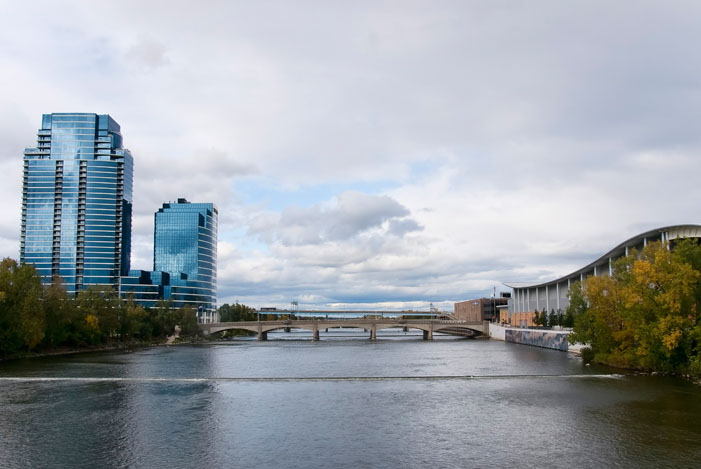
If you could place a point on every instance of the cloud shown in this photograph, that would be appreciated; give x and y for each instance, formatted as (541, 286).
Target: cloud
(148, 53)
(350, 215)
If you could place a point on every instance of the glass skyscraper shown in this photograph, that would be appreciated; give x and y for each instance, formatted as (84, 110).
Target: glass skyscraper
(185, 246)
(77, 201)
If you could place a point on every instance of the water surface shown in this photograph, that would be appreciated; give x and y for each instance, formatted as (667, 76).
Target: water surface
(342, 402)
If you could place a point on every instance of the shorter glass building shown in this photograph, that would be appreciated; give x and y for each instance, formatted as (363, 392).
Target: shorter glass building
(184, 261)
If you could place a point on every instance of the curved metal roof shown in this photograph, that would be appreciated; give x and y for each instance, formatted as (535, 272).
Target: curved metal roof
(674, 232)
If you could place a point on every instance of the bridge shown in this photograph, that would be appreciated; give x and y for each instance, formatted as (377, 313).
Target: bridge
(371, 325)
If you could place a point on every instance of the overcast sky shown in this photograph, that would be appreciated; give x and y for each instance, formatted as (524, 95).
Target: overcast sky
(375, 154)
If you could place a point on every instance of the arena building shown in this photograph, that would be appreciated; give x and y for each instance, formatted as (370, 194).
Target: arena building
(552, 295)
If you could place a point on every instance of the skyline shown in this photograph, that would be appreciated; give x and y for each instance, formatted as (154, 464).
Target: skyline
(408, 153)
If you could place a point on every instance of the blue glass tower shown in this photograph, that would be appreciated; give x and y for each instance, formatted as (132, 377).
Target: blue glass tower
(77, 201)
(185, 246)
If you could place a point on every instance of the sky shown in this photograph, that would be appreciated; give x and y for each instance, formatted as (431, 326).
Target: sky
(375, 154)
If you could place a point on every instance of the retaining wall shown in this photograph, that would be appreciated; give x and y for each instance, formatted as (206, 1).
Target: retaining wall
(556, 340)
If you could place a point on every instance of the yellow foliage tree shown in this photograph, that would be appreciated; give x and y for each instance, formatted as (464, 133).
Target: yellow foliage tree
(645, 315)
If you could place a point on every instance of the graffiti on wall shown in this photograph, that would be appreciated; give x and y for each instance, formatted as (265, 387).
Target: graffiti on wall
(543, 339)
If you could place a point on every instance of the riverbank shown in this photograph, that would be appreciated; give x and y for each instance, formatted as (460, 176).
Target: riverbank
(121, 347)
(69, 351)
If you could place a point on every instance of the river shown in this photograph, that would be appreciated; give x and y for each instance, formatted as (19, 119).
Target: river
(345, 402)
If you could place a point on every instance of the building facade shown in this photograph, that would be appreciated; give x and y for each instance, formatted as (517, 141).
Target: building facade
(552, 296)
(481, 309)
(77, 201)
(185, 247)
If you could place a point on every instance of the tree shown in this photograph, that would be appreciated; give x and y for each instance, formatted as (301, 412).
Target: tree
(187, 320)
(645, 315)
(102, 313)
(568, 318)
(236, 312)
(60, 313)
(135, 321)
(163, 318)
(22, 320)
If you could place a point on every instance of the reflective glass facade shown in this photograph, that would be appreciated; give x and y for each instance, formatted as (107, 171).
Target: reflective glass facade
(77, 201)
(185, 246)
(145, 287)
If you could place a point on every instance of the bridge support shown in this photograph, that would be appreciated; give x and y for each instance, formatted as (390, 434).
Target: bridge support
(406, 329)
(262, 335)
(315, 335)
(373, 333)
(428, 335)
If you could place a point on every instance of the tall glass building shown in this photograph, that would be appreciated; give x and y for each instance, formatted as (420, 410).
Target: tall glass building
(77, 201)
(185, 246)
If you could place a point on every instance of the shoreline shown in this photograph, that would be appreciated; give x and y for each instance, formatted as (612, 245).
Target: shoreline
(76, 351)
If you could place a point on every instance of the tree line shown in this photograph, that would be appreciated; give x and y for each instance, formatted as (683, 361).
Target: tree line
(35, 318)
(646, 314)
(555, 318)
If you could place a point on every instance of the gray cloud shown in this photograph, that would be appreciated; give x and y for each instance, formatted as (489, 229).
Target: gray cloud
(351, 214)
(148, 53)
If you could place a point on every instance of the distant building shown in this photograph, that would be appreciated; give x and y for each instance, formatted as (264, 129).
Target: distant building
(481, 309)
(77, 202)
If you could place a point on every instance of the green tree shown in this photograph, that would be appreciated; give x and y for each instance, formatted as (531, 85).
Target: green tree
(22, 321)
(237, 312)
(61, 315)
(568, 318)
(187, 320)
(101, 310)
(135, 321)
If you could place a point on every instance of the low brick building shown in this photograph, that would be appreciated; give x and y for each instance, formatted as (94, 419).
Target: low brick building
(481, 309)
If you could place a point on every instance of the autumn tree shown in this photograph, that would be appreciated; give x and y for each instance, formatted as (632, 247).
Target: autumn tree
(645, 315)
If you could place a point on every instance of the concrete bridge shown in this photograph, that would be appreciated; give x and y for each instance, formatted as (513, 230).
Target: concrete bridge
(371, 325)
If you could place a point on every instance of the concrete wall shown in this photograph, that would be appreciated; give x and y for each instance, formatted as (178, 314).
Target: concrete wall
(496, 332)
(556, 340)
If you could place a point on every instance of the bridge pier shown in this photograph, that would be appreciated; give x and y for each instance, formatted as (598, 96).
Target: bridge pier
(406, 329)
(373, 333)
(315, 334)
(262, 335)
(428, 335)
(288, 329)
